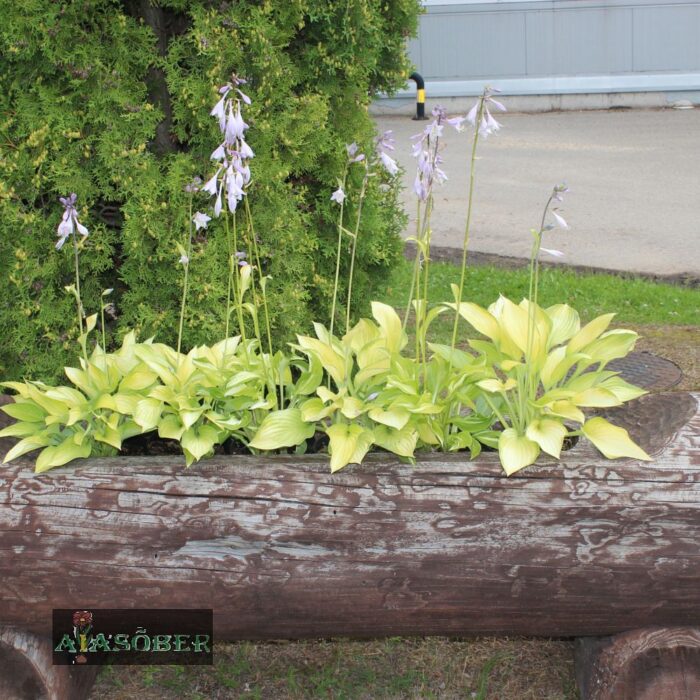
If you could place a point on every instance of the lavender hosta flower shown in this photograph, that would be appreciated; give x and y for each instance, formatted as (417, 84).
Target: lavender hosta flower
(386, 143)
(241, 254)
(193, 186)
(560, 220)
(389, 163)
(558, 191)
(184, 260)
(488, 125)
(69, 221)
(553, 253)
(233, 174)
(338, 196)
(200, 220)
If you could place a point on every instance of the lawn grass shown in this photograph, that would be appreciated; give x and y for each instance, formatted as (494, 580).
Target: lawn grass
(636, 301)
(667, 317)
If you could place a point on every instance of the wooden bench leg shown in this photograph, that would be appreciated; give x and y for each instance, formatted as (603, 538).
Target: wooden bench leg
(659, 663)
(27, 672)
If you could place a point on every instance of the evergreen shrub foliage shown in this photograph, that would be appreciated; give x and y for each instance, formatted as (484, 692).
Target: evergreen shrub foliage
(111, 100)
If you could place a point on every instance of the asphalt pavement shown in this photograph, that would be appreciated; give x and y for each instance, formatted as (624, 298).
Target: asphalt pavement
(634, 179)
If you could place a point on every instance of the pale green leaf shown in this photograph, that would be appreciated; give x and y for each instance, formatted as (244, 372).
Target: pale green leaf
(33, 442)
(147, 413)
(548, 433)
(589, 332)
(170, 427)
(611, 440)
(395, 417)
(199, 441)
(58, 455)
(400, 442)
(348, 444)
(25, 411)
(516, 451)
(285, 428)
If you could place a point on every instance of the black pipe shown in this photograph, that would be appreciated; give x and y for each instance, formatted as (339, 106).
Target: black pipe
(420, 96)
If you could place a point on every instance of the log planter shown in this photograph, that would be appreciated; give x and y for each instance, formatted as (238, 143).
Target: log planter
(280, 548)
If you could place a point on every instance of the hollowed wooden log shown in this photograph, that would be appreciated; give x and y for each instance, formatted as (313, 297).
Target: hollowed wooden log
(27, 673)
(646, 664)
(281, 548)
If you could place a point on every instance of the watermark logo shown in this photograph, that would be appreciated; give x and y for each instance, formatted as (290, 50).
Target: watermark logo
(120, 636)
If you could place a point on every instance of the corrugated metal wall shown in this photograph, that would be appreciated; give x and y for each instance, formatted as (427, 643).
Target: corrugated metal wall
(559, 46)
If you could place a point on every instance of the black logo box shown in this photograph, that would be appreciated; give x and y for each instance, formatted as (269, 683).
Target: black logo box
(134, 637)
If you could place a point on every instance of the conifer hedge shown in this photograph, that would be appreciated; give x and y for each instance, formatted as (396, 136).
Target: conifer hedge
(111, 100)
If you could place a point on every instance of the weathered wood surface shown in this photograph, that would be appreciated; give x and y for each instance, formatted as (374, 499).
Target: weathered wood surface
(646, 664)
(27, 672)
(281, 548)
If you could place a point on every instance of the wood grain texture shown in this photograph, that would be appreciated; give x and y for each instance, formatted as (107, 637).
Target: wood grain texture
(280, 548)
(27, 673)
(645, 664)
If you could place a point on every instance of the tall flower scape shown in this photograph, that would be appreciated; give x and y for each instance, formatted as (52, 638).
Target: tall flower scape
(520, 386)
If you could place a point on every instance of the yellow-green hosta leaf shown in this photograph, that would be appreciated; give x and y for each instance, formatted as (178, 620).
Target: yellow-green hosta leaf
(107, 402)
(21, 429)
(198, 442)
(58, 455)
(138, 380)
(427, 434)
(348, 444)
(516, 451)
(480, 319)
(566, 409)
(390, 325)
(596, 397)
(529, 337)
(313, 410)
(400, 442)
(25, 411)
(286, 428)
(352, 407)
(362, 333)
(68, 396)
(622, 389)
(589, 332)
(32, 442)
(126, 403)
(328, 396)
(170, 427)
(310, 378)
(334, 363)
(79, 378)
(611, 345)
(565, 323)
(109, 435)
(147, 413)
(190, 417)
(395, 417)
(612, 440)
(548, 433)
(496, 386)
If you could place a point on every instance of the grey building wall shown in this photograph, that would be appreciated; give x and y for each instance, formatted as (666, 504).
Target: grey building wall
(558, 47)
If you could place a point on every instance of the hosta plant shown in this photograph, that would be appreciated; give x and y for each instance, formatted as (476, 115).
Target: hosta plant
(544, 373)
(521, 388)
